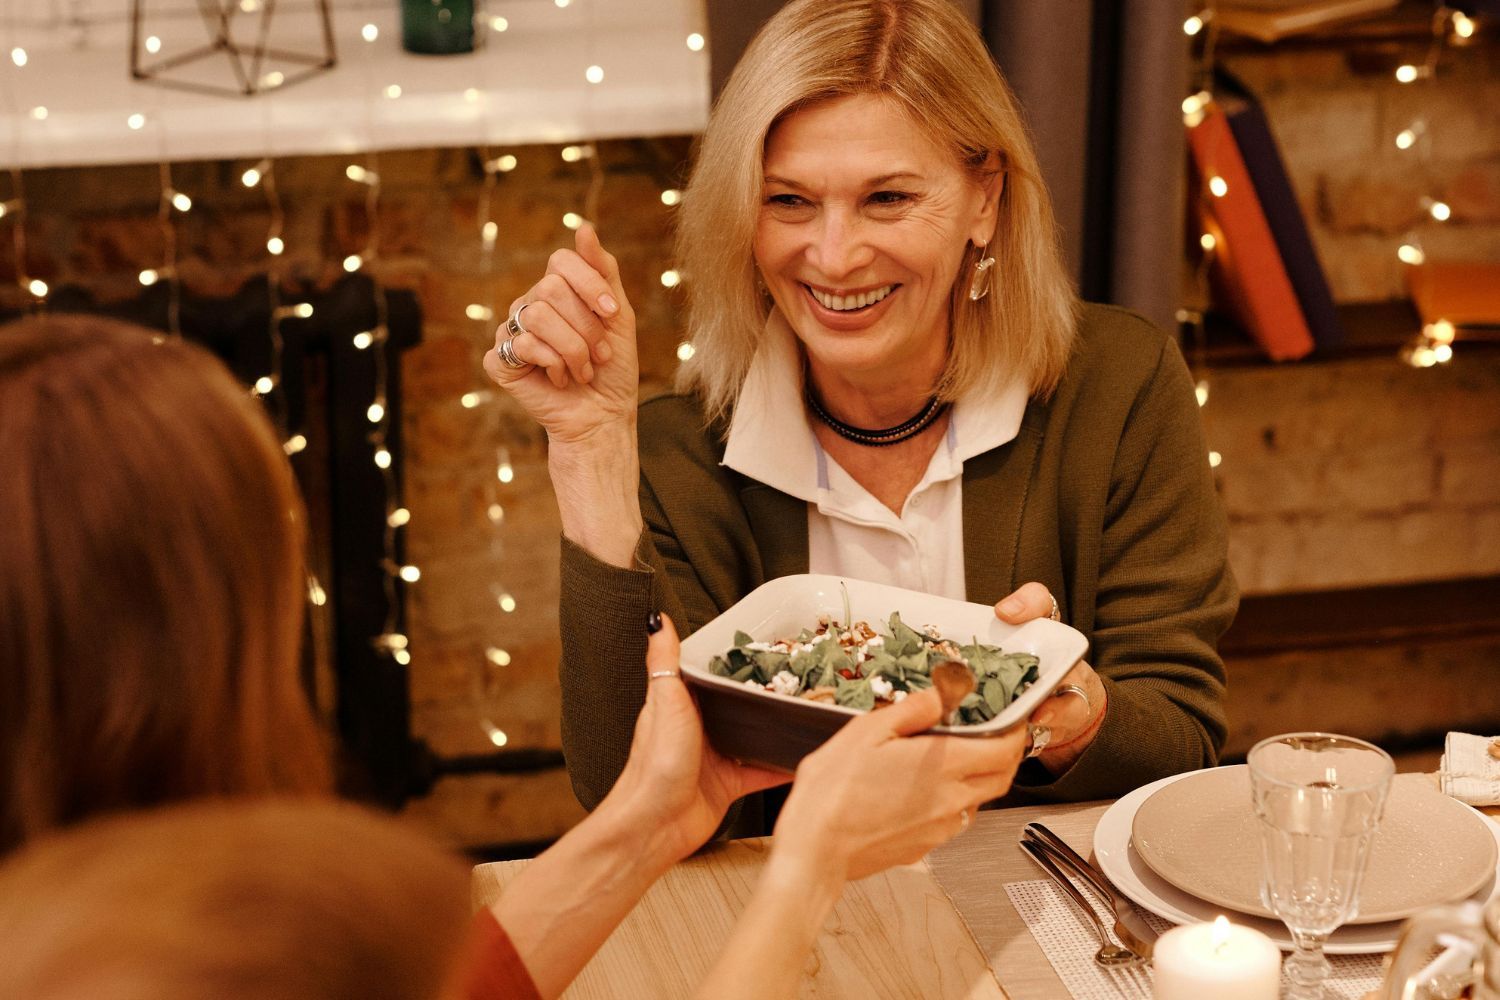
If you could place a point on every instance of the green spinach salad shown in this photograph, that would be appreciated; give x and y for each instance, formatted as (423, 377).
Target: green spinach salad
(858, 667)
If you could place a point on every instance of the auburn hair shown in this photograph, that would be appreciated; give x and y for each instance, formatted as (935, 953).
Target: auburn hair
(926, 56)
(260, 899)
(151, 601)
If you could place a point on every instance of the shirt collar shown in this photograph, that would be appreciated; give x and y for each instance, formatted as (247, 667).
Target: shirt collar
(771, 441)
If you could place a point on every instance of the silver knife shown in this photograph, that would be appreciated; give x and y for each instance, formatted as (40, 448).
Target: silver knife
(1130, 926)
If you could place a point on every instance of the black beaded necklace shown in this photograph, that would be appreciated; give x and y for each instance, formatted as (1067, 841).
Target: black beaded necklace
(875, 438)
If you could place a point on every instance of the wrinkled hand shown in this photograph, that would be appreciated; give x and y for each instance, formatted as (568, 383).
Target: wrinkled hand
(1073, 722)
(876, 795)
(674, 782)
(579, 345)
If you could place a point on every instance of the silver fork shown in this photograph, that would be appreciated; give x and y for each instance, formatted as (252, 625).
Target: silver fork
(1109, 953)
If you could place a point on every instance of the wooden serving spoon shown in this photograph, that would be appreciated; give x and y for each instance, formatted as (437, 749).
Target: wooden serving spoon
(954, 681)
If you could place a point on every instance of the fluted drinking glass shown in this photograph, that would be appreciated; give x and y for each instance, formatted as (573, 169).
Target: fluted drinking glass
(1319, 798)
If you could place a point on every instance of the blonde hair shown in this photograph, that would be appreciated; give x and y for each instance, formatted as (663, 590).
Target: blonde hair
(252, 900)
(152, 596)
(925, 55)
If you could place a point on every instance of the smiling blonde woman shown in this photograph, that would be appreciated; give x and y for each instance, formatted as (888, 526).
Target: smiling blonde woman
(893, 381)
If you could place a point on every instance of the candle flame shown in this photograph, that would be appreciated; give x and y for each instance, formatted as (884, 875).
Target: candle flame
(1220, 934)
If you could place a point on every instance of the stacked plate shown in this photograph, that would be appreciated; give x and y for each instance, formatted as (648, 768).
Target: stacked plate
(1187, 848)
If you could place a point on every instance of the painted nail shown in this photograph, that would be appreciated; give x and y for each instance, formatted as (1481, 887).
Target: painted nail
(653, 623)
(608, 304)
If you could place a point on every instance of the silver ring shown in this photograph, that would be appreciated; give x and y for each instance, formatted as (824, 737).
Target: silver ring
(1088, 703)
(963, 821)
(507, 352)
(1056, 615)
(1039, 735)
(513, 322)
(657, 675)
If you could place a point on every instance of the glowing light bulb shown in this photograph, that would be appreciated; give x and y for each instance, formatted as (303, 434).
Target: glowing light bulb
(1463, 25)
(275, 246)
(1441, 331)
(695, 42)
(1441, 211)
(498, 24)
(39, 113)
(1195, 103)
(398, 517)
(264, 385)
(1218, 185)
(1207, 242)
(1410, 253)
(671, 196)
(148, 277)
(1423, 357)
(1406, 138)
(685, 351)
(1406, 73)
(356, 173)
(1192, 25)
(497, 656)
(153, 44)
(594, 74)
(369, 32)
(302, 310)
(1443, 353)
(18, 56)
(671, 279)
(1215, 460)
(253, 176)
(294, 444)
(363, 340)
(376, 412)
(402, 657)
(507, 603)
(273, 79)
(136, 122)
(572, 154)
(506, 163)
(393, 90)
(572, 220)
(37, 287)
(181, 202)
(495, 513)
(469, 400)
(562, 3)
(353, 262)
(489, 233)
(1201, 391)
(316, 593)
(382, 458)
(410, 574)
(505, 472)
(479, 313)
(497, 736)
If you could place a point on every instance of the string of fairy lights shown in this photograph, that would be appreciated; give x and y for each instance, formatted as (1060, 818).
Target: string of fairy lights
(1434, 344)
(173, 204)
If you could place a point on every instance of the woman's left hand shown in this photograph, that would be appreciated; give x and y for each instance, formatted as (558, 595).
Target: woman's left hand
(1072, 719)
(675, 785)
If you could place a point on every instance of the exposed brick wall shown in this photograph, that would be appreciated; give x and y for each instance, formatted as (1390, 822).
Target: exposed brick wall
(1360, 194)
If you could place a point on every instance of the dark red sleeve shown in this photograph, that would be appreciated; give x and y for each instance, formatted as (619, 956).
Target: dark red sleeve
(493, 970)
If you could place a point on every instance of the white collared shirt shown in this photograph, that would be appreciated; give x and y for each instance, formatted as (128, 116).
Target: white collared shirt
(849, 532)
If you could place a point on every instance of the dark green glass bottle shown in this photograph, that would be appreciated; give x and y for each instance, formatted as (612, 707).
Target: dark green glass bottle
(437, 27)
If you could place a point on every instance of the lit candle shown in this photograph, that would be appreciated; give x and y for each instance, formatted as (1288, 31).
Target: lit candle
(1220, 960)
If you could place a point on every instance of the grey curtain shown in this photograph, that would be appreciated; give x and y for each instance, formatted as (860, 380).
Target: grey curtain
(1101, 83)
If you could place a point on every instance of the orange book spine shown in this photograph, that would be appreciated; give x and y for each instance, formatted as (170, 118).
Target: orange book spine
(1248, 269)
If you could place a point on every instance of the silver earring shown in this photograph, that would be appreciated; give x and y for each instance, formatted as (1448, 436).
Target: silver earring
(980, 286)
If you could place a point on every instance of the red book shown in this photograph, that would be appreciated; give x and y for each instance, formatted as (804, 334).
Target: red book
(1249, 276)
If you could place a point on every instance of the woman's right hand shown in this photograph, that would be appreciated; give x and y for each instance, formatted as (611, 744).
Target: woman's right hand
(581, 371)
(876, 795)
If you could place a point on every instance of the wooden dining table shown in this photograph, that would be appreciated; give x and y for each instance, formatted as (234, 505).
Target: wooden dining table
(941, 928)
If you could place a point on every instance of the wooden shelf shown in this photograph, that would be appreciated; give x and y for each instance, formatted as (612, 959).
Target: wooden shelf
(1408, 25)
(1371, 329)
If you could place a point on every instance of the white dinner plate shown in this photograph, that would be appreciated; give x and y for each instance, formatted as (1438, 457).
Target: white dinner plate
(1132, 876)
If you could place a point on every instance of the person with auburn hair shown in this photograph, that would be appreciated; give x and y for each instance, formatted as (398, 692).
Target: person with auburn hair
(152, 599)
(150, 614)
(892, 380)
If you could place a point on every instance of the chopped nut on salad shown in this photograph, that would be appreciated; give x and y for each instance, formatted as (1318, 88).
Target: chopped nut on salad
(865, 669)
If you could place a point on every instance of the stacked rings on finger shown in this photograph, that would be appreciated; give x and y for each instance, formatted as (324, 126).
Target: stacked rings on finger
(1040, 735)
(1055, 614)
(507, 352)
(963, 821)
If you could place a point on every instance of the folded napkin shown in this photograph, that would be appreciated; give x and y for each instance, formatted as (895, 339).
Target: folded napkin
(1469, 772)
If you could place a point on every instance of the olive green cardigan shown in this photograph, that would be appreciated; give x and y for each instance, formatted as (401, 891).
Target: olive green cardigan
(1105, 496)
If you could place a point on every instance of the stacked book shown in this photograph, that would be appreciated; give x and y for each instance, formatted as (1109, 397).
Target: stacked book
(1266, 273)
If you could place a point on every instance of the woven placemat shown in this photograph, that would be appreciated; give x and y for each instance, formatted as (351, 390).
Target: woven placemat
(1069, 942)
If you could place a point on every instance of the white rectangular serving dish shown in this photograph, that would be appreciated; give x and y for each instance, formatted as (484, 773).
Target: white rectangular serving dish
(776, 730)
